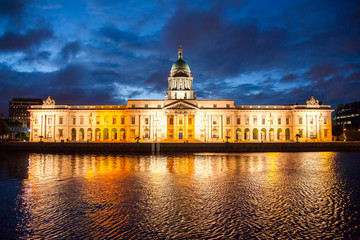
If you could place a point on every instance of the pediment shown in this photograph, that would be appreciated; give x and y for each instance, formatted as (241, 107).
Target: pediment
(180, 105)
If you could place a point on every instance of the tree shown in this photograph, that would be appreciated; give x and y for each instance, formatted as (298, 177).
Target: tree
(4, 128)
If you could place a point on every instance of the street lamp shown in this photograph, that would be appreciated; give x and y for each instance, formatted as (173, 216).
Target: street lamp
(156, 121)
(270, 120)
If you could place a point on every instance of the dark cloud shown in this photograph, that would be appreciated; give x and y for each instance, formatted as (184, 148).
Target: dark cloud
(11, 41)
(70, 50)
(321, 71)
(289, 78)
(12, 8)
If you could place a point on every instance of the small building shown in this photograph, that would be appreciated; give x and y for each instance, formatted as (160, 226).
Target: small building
(181, 117)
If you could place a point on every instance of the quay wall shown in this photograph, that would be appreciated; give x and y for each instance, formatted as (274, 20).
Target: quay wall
(177, 147)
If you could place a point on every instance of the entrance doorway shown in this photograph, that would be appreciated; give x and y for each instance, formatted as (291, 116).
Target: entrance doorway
(180, 135)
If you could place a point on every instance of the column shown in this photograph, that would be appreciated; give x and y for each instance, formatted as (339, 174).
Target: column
(175, 127)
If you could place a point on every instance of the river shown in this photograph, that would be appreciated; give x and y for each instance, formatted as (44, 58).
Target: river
(314, 195)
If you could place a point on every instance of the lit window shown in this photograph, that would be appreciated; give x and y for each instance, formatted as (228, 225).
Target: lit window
(189, 121)
(49, 121)
(105, 120)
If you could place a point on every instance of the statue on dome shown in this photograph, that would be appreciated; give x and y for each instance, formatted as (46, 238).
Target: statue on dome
(180, 52)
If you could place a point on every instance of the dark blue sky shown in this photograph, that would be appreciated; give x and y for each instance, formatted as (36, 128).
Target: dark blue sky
(105, 52)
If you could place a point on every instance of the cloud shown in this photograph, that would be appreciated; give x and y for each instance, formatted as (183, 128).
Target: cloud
(12, 8)
(11, 41)
(70, 50)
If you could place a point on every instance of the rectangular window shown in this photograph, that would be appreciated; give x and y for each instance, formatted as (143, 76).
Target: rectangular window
(146, 105)
(60, 132)
(180, 121)
(146, 121)
(312, 135)
(325, 120)
(247, 121)
(227, 105)
(190, 121)
(159, 106)
(311, 120)
(132, 133)
(122, 121)
(97, 120)
(35, 132)
(114, 120)
(279, 121)
(132, 120)
(263, 121)
(214, 106)
(301, 133)
(171, 121)
(81, 120)
(255, 121)
(300, 120)
(326, 133)
(238, 121)
(74, 121)
(287, 121)
(105, 120)
(49, 121)
(214, 122)
(61, 120)
(227, 120)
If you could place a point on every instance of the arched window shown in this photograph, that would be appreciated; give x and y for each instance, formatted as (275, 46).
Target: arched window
(287, 134)
(106, 134)
(255, 134)
(82, 134)
(73, 134)
(279, 136)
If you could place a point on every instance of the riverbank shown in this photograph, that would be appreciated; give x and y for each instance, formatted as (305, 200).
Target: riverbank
(177, 147)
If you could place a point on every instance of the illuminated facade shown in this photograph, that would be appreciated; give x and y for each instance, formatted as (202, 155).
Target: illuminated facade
(181, 117)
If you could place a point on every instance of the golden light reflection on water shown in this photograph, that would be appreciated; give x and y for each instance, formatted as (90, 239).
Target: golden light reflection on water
(271, 192)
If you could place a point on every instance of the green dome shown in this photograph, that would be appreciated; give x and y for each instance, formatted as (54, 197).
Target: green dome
(180, 64)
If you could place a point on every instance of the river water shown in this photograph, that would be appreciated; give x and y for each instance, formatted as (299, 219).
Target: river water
(190, 196)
